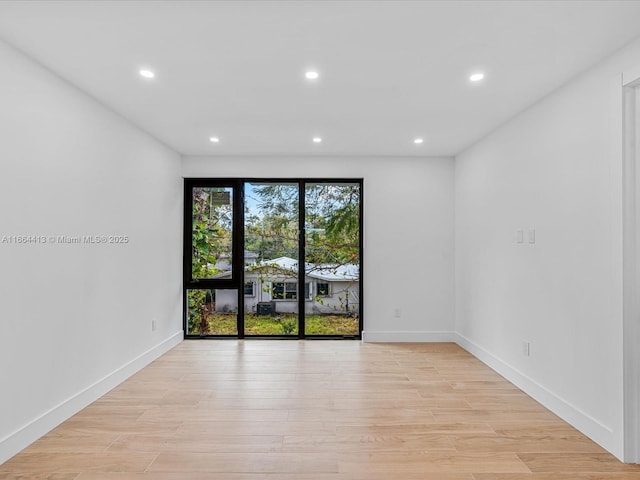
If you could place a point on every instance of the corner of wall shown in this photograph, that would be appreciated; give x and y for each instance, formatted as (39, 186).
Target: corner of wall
(17, 441)
(596, 431)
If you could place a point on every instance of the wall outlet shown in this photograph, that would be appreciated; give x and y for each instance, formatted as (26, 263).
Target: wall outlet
(397, 313)
(519, 236)
(526, 349)
(154, 324)
(532, 235)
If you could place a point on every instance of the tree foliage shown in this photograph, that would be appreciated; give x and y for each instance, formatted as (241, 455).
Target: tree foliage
(332, 223)
(211, 230)
(271, 227)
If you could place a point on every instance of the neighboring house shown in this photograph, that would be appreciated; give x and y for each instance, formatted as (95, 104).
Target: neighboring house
(224, 262)
(327, 289)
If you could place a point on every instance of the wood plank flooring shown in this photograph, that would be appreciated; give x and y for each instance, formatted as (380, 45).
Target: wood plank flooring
(315, 410)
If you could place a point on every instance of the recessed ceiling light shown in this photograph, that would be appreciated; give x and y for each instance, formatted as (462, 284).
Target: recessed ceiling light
(146, 73)
(418, 141)
(311, 75)
(317, 140)
(214, 139)
(476, 77)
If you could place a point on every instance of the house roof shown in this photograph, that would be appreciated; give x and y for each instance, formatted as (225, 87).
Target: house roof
(247, 254)
(320, 271)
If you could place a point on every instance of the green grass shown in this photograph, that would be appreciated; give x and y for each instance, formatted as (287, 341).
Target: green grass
(281, 324)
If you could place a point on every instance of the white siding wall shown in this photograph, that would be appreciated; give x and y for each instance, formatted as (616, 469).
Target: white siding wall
(335, 303)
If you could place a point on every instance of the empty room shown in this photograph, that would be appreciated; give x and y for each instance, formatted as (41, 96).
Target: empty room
(319, 240)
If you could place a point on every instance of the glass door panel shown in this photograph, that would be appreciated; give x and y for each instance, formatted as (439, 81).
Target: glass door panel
(271, 247)
(332, 258)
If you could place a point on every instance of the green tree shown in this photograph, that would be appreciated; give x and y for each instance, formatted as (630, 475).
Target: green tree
(332, 223)
(271, 229)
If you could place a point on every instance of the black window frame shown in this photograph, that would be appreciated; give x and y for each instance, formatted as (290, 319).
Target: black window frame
(237, 262)
(236, 280)
(233, 282)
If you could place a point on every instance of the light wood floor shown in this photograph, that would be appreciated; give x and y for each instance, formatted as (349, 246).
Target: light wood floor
(315, 410)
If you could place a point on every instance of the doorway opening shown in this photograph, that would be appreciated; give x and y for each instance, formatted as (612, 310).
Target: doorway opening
(631, 269)
(271, 258)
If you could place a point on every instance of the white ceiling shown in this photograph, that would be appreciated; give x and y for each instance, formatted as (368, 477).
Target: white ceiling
(390, 70)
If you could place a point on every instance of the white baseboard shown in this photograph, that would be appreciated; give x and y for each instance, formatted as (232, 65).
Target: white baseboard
(25, 436)
(417, 337)
(592, 428)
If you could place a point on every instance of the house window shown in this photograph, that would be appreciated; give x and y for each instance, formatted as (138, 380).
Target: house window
(284, 291)
(289, 291)
(248, 289)
(322, 289)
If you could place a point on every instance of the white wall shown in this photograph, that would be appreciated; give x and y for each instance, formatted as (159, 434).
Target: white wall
(556, 168)
(76, 319)
(408, 234)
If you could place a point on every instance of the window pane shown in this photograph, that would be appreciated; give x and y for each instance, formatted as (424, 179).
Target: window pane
(212, 312)
(323, 289)
(212, 232)
(290, 291)
(278, 291)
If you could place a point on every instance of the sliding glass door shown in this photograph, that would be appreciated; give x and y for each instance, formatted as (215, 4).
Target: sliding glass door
(270, 258)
